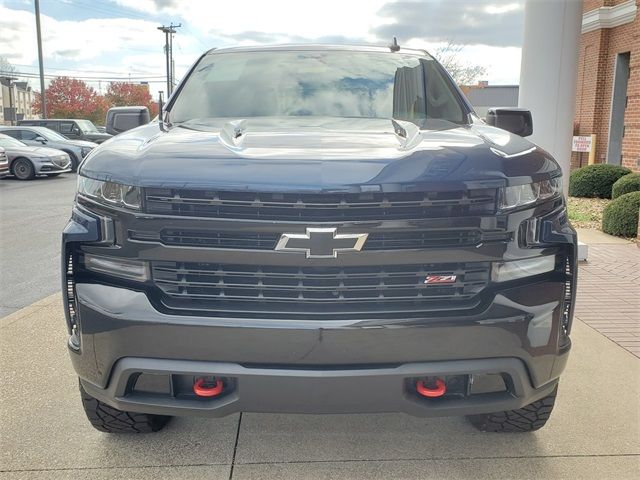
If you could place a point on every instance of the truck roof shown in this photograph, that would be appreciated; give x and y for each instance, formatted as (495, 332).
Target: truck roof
(317, 46)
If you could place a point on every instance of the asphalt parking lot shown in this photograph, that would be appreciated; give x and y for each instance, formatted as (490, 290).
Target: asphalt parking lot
(593, 433)
(32, 216)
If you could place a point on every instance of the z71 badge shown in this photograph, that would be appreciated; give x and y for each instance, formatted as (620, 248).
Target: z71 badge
(432, 279)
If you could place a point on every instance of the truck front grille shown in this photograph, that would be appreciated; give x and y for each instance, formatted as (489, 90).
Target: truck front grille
(331, 207)
(408, 239)
(333, 287)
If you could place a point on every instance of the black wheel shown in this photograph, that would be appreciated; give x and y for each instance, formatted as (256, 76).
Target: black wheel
(526, 419)
(111, 420)
(23, 169)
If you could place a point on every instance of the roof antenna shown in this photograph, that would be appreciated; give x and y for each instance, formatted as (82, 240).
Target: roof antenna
(394, 47)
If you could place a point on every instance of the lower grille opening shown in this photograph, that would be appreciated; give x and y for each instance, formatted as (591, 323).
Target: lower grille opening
(318, 289)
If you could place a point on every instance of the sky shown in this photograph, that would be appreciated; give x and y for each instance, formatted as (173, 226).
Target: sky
(104, 40)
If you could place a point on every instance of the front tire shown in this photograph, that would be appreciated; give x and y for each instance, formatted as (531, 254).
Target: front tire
(526, 419)
(111, 420)
(23, 169)
(74, 160)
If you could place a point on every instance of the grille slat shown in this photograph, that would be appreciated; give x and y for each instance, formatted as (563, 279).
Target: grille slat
(339, 285)
(319, 207)
(267, 241)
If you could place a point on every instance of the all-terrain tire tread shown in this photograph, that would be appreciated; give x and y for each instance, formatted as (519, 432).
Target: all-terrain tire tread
(526, 419)
(111, 420)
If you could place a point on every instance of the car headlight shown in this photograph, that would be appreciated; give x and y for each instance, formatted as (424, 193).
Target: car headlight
(110, 193)
(84, 151)
(529, 194)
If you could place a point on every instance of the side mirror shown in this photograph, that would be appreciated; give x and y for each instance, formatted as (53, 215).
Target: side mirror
(121, 119)
(40, 139)
(514, 120)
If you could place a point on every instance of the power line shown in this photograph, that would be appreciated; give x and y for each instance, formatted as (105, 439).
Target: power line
(83, 77)
(108, 72)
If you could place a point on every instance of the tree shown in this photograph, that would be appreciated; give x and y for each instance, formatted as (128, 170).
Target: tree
(462, 73)
(72, 98)
(122, 94)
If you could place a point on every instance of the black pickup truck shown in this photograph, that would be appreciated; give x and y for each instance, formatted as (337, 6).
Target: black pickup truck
(319, 229)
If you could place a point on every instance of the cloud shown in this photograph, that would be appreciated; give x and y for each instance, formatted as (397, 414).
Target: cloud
(465, 22)
(131, 44)
(166, 3)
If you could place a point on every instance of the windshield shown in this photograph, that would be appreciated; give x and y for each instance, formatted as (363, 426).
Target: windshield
(50, 134)
(8, 142)
(317, 83)
(87, 126)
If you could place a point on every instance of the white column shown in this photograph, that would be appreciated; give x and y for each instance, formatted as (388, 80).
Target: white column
(548, 73)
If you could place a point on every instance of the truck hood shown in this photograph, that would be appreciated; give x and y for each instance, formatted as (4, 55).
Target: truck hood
(318, 154)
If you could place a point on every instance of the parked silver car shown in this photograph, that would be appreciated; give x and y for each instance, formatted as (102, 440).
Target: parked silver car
(4, 163)
(26, 162)
(42, 136)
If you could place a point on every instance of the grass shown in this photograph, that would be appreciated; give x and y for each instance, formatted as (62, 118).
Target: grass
(587, 212)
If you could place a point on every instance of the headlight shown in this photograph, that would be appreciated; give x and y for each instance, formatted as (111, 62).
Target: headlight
(505, 271)
(84, 151)
(529, 194)
(109, 193)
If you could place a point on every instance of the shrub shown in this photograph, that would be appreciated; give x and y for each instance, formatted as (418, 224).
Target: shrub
(627, 184)
(595, 180)
(620, 217)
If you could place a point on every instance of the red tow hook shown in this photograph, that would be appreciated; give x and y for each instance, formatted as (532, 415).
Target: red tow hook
(439, 390)
(202, 388)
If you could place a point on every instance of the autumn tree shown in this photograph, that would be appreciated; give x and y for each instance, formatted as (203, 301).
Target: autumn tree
(462, 73)
(72, 98)
(122, 94)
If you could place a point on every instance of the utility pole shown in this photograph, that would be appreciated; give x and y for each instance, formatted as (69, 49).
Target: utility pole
(39, 35)
(168, 51)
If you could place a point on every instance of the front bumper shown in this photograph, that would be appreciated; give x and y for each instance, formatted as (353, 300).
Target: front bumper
(46, 167)
(283, 390)
(316, 367)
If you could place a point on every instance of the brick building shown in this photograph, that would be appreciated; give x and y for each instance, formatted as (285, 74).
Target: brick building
(608, 90)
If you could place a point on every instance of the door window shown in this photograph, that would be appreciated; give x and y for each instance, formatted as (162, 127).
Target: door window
(66, 128)
(12, 133)
(28, 135)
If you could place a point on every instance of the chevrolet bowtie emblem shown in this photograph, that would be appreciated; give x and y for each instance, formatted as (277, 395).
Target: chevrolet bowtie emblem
(321, 242)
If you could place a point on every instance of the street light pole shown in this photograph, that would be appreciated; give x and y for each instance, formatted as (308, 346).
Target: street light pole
(39, 34)
(168, 50)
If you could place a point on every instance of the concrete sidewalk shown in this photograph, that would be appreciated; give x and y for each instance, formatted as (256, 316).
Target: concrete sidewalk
(609, 288)
(593, 433)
